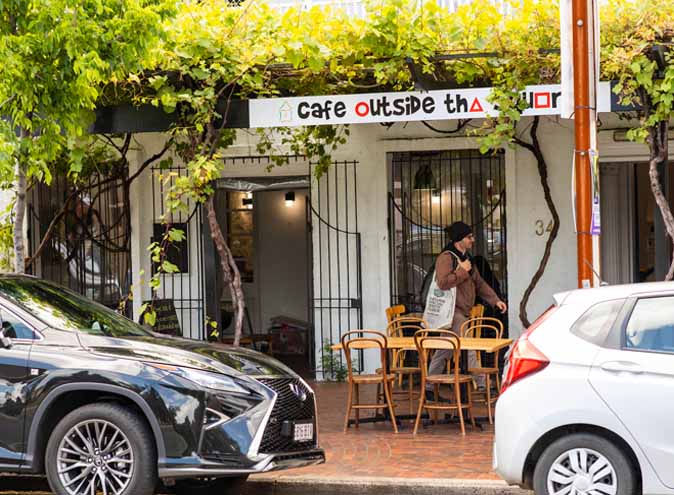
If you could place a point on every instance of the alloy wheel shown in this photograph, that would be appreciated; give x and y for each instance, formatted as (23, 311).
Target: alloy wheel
(582, 472)
(95, 456)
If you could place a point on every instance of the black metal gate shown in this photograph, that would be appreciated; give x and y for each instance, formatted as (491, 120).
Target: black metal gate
(430, 190)
(186, 287)
(337, 298)
(89, 249)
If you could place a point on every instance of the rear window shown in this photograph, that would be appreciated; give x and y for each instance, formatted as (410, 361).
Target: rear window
(597, 321)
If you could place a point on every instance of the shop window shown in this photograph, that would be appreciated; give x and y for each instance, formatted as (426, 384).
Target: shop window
(429, 191)
(240, 232)
(177, 252)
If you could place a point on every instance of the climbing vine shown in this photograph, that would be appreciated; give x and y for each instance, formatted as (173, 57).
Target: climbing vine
(201, 57)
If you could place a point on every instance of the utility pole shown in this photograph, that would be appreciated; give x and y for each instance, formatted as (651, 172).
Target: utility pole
(585, 140)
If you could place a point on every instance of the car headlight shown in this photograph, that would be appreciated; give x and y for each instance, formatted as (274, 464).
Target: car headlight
(214, 381)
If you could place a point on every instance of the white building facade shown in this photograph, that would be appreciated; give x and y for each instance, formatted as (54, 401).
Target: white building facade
(331, 259)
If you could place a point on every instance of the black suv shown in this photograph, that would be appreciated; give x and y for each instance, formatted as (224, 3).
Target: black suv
(101, 405)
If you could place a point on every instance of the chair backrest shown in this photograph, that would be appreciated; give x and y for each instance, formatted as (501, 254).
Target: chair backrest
(429, 340)
(397, 327)
(492, 327)
(365, 339)
(482, 330)
(477, 311)
(394, 312)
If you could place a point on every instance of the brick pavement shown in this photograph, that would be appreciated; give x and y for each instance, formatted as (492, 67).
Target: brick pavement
(373, 450)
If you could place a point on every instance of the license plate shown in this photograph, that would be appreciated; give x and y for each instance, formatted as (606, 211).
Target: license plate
(304, 432)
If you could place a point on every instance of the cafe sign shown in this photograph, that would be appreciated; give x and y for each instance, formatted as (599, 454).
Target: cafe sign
(403, 106)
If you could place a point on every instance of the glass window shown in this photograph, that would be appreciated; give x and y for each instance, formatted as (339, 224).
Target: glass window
(240, 232)
(428, 191)
(651, 326)
(14, 327)
(596, 322)
(64, 309)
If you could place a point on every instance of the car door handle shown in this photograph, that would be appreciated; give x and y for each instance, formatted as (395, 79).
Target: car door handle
(622, 366)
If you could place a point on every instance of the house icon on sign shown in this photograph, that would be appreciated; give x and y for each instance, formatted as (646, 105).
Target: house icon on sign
(286, 112)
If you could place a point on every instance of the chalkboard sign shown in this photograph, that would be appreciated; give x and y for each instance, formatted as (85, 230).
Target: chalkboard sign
(167, 318)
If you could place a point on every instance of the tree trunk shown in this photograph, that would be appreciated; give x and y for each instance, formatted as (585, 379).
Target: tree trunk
(535, 148)
(230, 271)
(20, 215)
(657, 142)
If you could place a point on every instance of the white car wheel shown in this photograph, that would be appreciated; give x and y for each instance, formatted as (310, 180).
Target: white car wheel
(582, 471)
(583, 464)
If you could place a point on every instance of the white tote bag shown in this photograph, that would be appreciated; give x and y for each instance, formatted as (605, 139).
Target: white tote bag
(440, 304)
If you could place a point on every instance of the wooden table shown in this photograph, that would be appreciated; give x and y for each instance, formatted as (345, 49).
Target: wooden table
(407, 344)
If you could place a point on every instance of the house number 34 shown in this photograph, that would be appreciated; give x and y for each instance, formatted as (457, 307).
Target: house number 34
(541, 229)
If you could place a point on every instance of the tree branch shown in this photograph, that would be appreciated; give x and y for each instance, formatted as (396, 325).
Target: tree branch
(535, 148)
(229, 268)
(460, 125)
(657, 142)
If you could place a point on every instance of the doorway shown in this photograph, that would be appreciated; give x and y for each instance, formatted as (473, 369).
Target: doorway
(265, 225)
(634, 247)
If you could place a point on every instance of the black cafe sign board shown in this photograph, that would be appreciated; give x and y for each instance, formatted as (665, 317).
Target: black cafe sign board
(167, 318)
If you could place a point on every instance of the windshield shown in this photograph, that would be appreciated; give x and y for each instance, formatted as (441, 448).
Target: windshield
(64, 309)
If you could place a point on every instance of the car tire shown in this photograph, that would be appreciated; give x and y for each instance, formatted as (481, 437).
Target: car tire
(583, 460)
(109, 442)
(211, 486)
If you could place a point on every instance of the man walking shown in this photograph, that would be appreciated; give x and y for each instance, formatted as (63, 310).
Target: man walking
(453, 268)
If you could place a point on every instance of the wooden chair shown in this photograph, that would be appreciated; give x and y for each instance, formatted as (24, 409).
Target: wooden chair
(433, 340)
(494, 328)
(394, 312)
(366, 339)
(397, 328)
(476, 314)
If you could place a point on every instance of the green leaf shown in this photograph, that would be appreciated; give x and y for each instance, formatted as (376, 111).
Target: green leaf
(176, 235)
(168, 267)
(150, 317)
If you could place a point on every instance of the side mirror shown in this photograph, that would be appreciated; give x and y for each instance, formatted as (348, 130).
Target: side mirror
(5, 342)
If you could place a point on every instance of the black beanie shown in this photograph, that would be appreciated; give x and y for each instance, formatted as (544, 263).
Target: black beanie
(458, 231)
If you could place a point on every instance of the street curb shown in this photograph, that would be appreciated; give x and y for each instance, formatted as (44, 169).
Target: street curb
(308, 485)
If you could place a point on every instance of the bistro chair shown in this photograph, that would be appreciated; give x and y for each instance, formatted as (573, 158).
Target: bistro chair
(368, 339)
(398, 328)
(434, 340)
(395, 312)
(476, 312)
(494, 328)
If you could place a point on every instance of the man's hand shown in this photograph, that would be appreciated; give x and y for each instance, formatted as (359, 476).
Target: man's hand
(502, 306)
(466, 265)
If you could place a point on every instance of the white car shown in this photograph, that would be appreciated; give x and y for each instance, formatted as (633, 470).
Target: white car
(587, 403)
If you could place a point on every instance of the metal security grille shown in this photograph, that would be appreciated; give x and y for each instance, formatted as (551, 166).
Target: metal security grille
(289, 406)
(89, 250)
(337, 289)
(430, 190)
(185, 288)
